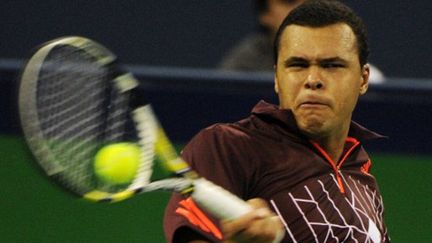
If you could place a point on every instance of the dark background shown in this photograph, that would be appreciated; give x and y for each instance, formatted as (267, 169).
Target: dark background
(196, 33)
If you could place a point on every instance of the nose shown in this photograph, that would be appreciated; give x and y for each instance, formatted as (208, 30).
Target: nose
(314, 80)
(314, 84)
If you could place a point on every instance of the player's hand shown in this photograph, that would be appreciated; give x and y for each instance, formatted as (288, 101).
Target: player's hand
(259, 226)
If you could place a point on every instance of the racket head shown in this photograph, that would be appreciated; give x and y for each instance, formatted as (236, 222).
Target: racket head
(73, 100)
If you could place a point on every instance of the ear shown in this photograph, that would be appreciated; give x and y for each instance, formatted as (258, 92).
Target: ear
(365, 72)
(276, 85)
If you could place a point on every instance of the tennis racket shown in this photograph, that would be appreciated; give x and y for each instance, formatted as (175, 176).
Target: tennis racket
(74, 99)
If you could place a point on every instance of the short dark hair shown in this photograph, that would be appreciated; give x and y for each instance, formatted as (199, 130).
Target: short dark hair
(321, 13)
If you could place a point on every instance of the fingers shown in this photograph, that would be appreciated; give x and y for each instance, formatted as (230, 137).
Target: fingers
(260, 225)
(232, 227)
(258, 203)
(247, 221)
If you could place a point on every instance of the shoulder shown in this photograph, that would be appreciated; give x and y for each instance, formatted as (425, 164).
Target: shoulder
(224, 141)
(222, 153)
(224, 134)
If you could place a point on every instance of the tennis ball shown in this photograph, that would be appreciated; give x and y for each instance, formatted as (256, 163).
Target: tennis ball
(117, 163)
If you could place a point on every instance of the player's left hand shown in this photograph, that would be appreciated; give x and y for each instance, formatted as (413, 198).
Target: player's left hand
(260, 225)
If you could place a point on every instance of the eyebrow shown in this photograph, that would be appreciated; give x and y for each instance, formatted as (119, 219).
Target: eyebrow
(295, 59)
(333, 59)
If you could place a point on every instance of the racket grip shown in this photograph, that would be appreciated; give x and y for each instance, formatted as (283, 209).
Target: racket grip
(218, 201)
(221, 203)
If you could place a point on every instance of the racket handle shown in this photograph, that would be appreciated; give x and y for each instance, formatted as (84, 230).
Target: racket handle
(218, 201)
(221, 203)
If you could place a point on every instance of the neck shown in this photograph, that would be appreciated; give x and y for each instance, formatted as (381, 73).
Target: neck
(334, 149)
(333, 144)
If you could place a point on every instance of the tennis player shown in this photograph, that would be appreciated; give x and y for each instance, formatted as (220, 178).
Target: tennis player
(301, 163)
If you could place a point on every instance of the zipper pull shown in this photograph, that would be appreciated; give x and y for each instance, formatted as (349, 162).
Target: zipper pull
(340, 182)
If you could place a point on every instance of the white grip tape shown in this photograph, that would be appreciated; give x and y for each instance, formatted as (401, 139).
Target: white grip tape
(221, 203)
(218, 201)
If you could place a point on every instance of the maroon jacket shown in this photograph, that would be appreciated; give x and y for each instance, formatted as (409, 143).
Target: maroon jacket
(266, 156)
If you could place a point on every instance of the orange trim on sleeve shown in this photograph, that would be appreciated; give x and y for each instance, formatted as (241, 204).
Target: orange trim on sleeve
(195, 216)
(191, 218)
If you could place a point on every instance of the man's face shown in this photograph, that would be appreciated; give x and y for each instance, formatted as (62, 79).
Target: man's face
(318, 76)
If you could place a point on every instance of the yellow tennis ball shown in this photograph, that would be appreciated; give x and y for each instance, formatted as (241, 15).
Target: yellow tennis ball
(117, 163)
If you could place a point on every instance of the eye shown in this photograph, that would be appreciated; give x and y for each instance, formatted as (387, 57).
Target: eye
(332, 65)
(298, 65)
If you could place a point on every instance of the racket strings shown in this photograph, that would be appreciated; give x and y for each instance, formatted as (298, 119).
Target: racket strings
(73, 101)
(78, 117)
(118, 118)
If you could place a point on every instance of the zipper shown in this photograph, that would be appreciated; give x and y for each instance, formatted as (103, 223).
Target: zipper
(337, 166)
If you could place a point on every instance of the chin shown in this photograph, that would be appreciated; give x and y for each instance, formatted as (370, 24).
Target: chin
(313, 129)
